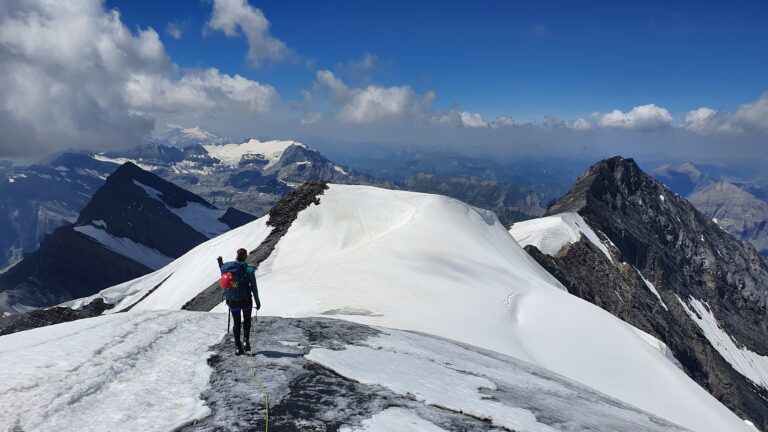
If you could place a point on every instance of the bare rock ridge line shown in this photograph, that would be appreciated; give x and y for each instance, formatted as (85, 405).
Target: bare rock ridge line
(661, 238)
(281, 217)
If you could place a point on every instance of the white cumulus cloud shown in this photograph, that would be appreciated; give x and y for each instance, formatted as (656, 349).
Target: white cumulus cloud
(232, 16)
(748, 118)
(73, 75)
(372, 103)
(640, 118)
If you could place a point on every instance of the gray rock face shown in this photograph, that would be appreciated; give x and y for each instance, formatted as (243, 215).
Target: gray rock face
(736, 210)
(685, 256)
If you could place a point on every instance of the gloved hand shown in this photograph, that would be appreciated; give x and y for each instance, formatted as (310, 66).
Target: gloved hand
(258, 306)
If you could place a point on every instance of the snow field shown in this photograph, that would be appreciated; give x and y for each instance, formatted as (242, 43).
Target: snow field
(202, 219)
(549, 234)
(750, 364)
(124, 372)
(395, 419)
(231, 154)
(126, 247)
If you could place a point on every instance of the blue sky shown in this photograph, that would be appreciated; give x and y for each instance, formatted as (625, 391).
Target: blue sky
(524, 59)
(668, 79)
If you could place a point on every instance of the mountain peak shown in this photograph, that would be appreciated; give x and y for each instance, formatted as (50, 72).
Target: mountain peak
(610, 181)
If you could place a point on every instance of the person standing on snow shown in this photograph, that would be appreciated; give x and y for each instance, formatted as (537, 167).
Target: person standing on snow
(239, 283)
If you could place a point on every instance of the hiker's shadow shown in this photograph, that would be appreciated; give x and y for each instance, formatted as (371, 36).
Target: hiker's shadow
(277, 354)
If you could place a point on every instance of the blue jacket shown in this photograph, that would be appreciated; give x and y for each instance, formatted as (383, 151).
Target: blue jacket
(246, 284)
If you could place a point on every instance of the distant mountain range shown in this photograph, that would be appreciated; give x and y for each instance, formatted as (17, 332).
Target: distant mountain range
(735, 202)
(251, 176)
(134, 224)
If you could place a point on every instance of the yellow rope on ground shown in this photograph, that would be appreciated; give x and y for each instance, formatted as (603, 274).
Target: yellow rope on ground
(255, 377)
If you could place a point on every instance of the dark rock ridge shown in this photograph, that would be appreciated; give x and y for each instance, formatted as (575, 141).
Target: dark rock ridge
(685, 256)
(281, 217)
(70, 264)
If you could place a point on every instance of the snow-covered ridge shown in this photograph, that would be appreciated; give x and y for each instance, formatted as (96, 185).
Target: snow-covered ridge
(232, 154)
(750, 364)
(550, 233)
(433, 264)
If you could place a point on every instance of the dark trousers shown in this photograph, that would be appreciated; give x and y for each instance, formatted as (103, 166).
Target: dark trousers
(238, 309)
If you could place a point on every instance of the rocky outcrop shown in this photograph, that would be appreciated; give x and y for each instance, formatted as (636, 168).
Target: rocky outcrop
(687, 258)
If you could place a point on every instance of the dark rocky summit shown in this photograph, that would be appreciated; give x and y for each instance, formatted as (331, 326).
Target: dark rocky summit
(654, 234)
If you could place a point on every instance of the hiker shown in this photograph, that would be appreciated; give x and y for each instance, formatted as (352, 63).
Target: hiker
(239, 282)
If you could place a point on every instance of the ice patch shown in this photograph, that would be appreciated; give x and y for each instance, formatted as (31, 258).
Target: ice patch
(340, 170)
(549, 234)
(126, 247)
(123, 372)
(395, 419)
(751, 365)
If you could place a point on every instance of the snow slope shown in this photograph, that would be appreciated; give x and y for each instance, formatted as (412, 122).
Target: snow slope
(202, 219)
(232, 154)
(179, 281)
(748, 363)
(126, 247)
(432, 264)
(124, 372)
(549, 234)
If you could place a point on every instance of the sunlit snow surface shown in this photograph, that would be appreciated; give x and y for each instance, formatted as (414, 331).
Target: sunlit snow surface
(395, 419)
(126, 372)
(750, 364)
(202, 219)
(185, 277)
(126, 247)
(232, 154)
(432, 264)
(549, 234)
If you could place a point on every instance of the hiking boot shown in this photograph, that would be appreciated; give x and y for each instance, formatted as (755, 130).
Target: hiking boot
(238, 349)
(247, 347)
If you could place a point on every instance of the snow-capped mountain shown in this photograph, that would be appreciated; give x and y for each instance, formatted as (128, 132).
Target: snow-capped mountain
(179, 136)
(251, 175)
(37, 199)
(431, 264)
(623, 241)
(135, 223)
